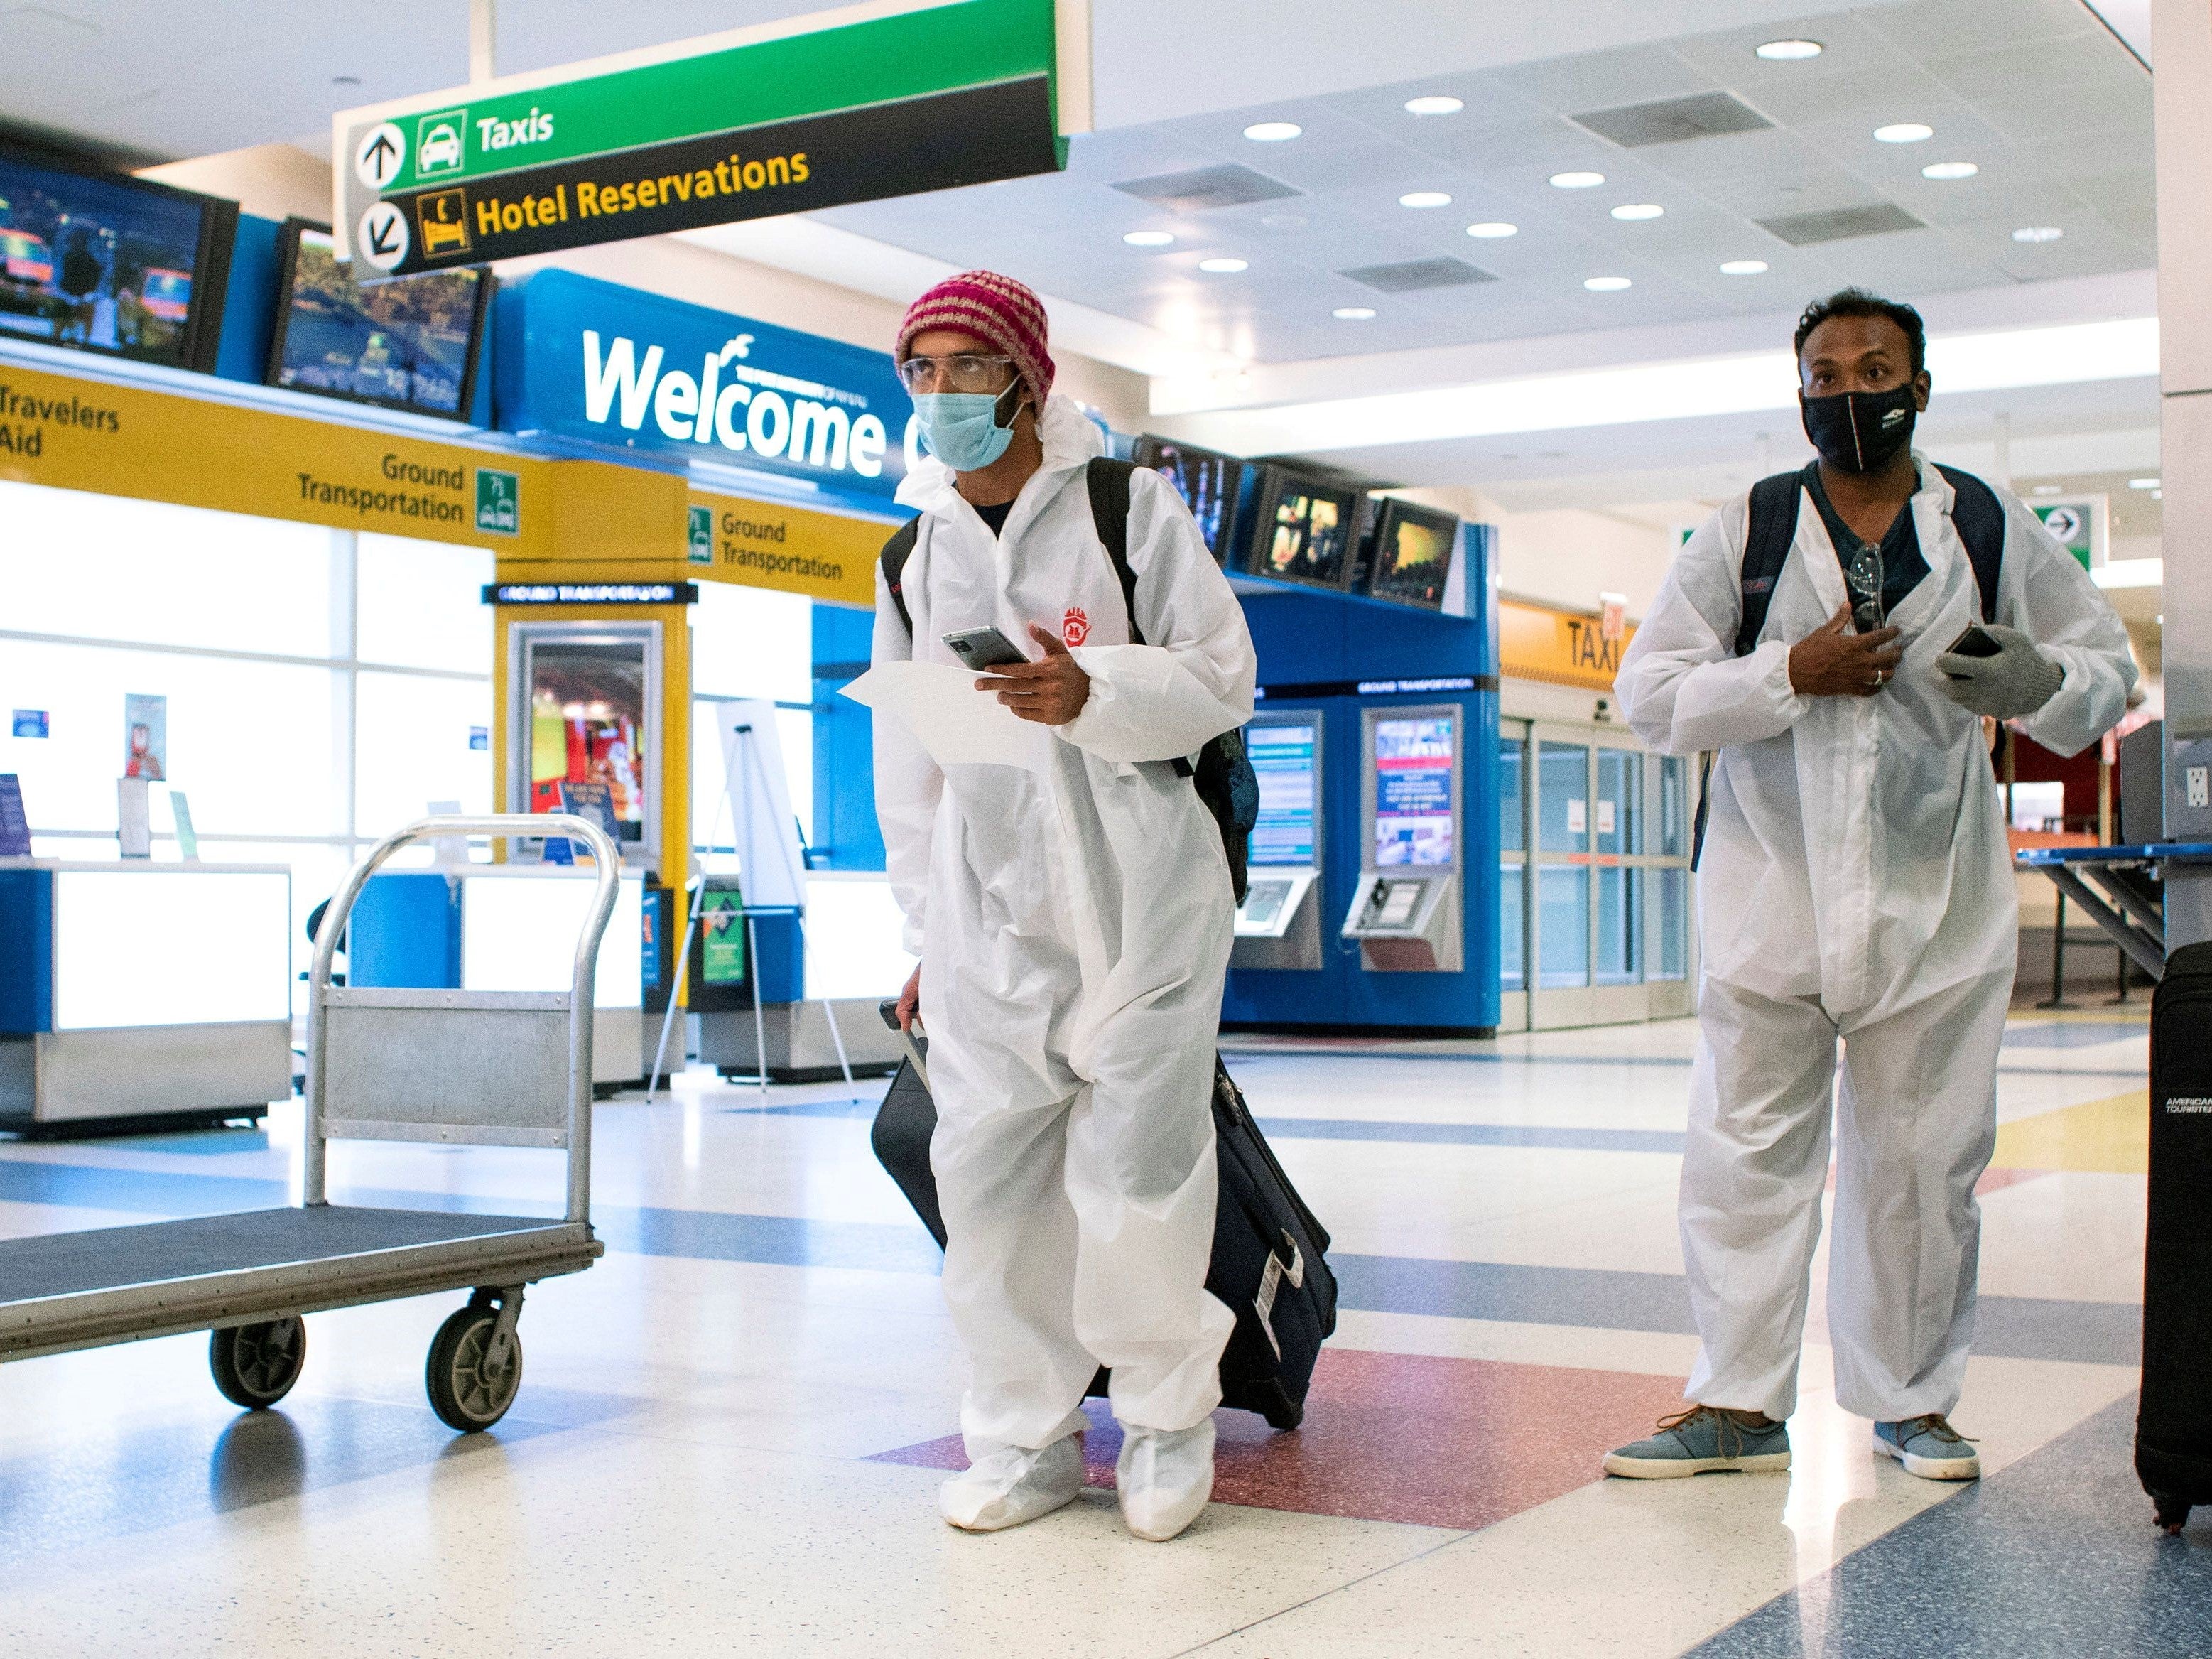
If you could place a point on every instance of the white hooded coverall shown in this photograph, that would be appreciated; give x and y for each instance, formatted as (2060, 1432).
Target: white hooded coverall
(1855, 882)
(1074, 930)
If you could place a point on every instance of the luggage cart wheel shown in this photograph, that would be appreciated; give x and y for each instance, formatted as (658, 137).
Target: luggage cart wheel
(476, 1361)
(256, 1365)
(2173, 1513)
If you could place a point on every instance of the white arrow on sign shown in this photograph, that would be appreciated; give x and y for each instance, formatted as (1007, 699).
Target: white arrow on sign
(377, 158)
(383, 238)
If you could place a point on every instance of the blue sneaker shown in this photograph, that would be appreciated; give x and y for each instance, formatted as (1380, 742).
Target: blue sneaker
(1929, 1448)
(1704, 1440)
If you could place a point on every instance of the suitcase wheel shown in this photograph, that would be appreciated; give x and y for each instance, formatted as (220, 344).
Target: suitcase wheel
(2173, 1512)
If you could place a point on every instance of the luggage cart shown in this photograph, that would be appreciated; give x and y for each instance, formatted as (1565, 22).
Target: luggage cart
(473, 1067)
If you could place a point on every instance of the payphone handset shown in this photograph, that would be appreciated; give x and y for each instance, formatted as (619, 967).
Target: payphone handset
(1405, 912)
(1278, 924)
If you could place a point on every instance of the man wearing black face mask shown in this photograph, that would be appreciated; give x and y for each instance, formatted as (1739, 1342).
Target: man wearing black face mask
(1855, 886)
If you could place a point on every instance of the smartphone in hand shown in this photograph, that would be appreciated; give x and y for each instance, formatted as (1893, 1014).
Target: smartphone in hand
(984, 647)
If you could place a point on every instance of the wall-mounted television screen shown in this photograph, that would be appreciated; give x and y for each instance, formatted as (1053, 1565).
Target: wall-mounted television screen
(99, 261)
(1414, 547)
(1206, 481)
(1305, 529)
(403, 341)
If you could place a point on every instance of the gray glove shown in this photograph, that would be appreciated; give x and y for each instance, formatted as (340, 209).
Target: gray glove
(2009, 686)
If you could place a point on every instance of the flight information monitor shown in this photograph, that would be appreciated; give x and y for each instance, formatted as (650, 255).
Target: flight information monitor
(1206, 481)
(1413, 796)
(1284, 756)
(1413, 551)
(404, 342)
(1303, 530)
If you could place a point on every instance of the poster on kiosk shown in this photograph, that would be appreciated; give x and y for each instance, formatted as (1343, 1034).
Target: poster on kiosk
(584, 733)
(1279, 925)
(1405, 913)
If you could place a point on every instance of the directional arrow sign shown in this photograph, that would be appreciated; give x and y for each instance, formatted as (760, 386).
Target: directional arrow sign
(384, 235)
(376, 159)
(884, 99)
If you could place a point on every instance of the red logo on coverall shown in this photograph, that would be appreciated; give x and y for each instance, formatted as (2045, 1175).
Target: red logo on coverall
(1075, 626)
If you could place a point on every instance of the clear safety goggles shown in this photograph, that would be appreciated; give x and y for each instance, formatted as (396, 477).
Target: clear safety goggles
(964, 371)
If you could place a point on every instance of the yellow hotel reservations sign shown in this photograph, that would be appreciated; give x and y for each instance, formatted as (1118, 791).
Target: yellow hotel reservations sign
(156, 445)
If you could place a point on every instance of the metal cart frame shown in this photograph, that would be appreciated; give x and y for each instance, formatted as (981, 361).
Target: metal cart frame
(472, 1067)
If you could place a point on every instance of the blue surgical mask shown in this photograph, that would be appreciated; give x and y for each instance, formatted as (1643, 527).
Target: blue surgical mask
(961, 428)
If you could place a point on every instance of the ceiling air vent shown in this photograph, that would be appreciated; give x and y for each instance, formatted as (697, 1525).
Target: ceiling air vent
(1839, 224)
(1407, 276)
(1672, 120)
(1194, 192)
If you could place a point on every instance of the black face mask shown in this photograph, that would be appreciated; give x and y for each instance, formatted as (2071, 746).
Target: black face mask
(1860, 431)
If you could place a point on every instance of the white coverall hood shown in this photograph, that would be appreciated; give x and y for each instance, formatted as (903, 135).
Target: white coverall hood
(1855, 882)
(1074, 929)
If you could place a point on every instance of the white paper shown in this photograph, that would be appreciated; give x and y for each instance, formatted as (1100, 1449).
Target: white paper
(134, 824)
(958, 725)
(771, 866)
(1577, 817)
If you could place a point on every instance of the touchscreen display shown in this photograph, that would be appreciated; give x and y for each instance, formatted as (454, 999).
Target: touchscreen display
(1414, 792)
(1283, 759)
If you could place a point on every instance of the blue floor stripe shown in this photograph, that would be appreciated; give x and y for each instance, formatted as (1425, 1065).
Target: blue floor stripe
(2055, 1554)
(2015, 1327)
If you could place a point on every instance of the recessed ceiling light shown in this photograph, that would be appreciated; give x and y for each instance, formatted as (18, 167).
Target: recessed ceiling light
(1638, 210)
(1273, 132)
(2158, 495)
(1743, 267)
(1606, 284)
(2143, 483)
(2037, 233)
(1148, 239)
(1904, 132)
(1353, 314)
(1944, 171)
(1436, 104)
(1576, 180)
(2049, 489)
(1788, 52)
(1224, 267)
(1424, 198)
(1491, 229)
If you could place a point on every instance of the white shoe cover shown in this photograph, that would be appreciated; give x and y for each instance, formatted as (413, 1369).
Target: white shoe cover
(1165, 1477)
(1010, 1485)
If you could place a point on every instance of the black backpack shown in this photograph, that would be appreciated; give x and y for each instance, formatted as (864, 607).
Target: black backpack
(1976, 514)
(1227, 787)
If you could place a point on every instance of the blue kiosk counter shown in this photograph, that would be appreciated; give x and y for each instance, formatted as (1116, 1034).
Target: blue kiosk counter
(131, 989)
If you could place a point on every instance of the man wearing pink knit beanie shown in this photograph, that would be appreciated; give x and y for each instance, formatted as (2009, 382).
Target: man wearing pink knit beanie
(1073, 924)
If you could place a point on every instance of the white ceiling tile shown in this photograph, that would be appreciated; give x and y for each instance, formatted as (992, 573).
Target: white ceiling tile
(1932, 28)
(1602, 79)
(2099, 106)
(2000, 71)
(1548, 142)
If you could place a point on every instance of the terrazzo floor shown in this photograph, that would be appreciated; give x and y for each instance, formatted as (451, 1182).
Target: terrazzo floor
(731, 1430)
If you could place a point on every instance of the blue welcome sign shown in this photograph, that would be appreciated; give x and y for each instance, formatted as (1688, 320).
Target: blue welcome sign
(599, 363)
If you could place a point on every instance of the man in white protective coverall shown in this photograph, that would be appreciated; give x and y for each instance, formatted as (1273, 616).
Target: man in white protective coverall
(1074, 926)
(1855, 884)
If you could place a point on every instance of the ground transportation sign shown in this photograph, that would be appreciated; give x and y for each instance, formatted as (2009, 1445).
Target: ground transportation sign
(886, 98)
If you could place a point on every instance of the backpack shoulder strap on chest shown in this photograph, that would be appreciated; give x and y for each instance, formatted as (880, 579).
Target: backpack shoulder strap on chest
(1980, 517)
(1107, 481)
(1772, 527)
(896, 551)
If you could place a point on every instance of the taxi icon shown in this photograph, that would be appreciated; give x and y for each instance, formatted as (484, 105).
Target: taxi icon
(441, 149)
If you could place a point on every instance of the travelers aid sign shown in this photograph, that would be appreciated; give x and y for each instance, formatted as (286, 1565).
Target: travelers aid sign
(596, 362)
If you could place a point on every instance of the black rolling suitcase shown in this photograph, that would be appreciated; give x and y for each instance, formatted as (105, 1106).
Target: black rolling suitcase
(1268, 1263)
(2173, 1424)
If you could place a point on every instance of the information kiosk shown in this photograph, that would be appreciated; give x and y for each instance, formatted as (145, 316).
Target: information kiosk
(1405, 912)
(1278, 924)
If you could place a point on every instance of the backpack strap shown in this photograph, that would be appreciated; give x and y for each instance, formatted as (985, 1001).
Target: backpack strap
(1980, 517)
(896, 551)
(1108, 482)
(1773, 526)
